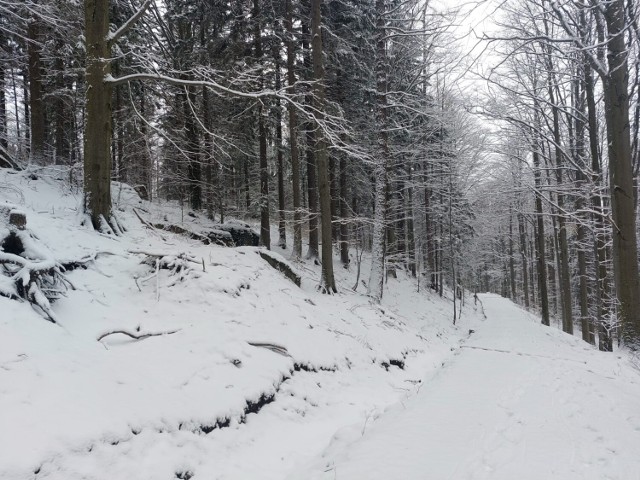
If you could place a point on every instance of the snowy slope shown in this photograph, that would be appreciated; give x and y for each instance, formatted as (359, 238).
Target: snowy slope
(201, 402)
(518, 400)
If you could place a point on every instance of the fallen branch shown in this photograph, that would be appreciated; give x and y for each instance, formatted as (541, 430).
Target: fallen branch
(136, 336)
(142, 220)
(271, 346)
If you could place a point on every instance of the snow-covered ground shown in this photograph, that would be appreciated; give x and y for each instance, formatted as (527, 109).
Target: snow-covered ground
(517, 401)
(256, 378)
(184, 403)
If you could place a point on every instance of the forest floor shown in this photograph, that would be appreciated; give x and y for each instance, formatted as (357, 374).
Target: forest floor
(517, 400)
(253, 377)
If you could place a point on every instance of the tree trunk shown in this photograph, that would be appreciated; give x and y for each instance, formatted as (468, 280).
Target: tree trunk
(625, 251)
(344, 213)
(411, 239)
(97, 133)
(3, 106)
(120, 170)
(194, 166)
(525, 260)
(147, 168)
(334, 189)
(512, 262)
(27, 110)
(605, 341)
(282, 221)
(38, 129)
(543, 296)
(581, 160)
(376, 277)
(328, 284)
(209, 166)
(562, 250)
(210, 188)
(61, 140)
(246, 183)
(312, 182)
(293, 135)
(265, 228)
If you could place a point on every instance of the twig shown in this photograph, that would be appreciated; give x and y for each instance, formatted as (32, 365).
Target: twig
(135, 336)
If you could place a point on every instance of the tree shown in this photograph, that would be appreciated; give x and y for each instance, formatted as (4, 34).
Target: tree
(376, 277)
(293, 133)
(97, 133)
(328, 283)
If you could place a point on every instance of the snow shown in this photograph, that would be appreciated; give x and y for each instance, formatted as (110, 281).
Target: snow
(204, 398)
(517, 400)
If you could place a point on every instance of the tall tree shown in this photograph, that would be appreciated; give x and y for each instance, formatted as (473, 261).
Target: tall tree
(376, 276)
(265, 226)
(293, 133)
(612, 27)
(37, 110)
(97, 134)
(328, 283)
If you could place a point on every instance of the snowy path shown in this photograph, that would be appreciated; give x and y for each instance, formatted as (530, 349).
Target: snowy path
(517, 400)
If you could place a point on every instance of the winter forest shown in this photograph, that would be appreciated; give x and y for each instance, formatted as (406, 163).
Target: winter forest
(319, 239)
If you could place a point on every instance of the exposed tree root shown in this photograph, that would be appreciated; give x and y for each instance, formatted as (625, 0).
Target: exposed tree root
(38, 282)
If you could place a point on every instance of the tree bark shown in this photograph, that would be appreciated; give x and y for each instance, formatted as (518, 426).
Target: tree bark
(61, 135)
(625, 251)
(97, 133)
(3, 105)
(344, 213)
(265, 228)
(411, 239)
(512, 262)
(543, 296)
(581, 236)
(312, 182)
(605, 340)
(293, 135)
(282, 221)
(328, 284)
(38, 129)
(525, 260)
(376, 277)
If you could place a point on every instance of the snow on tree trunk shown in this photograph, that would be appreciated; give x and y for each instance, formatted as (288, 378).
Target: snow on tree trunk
(376, 277)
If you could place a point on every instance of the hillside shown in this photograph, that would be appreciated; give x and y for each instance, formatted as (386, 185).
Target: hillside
(250, 378)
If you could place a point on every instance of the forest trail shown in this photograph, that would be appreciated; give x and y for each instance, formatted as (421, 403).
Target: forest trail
(516, 400)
